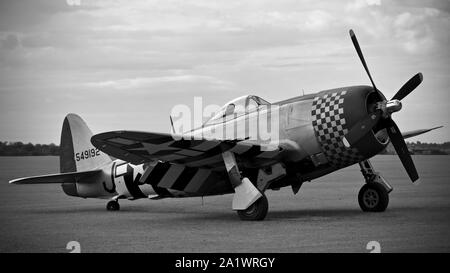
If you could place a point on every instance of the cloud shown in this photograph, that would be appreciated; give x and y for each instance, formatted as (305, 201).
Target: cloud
(10, 42)
(356, 5)
(171, 49)
(442, 5)
(24, 15)
(318, 19)
(415, 31)
(152, 82)
(373, 2)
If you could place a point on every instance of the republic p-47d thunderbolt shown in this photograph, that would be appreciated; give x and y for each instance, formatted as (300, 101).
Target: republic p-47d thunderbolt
(317, 134)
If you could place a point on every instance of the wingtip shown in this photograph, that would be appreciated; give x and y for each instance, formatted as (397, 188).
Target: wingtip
(434, 128)
(14, 181)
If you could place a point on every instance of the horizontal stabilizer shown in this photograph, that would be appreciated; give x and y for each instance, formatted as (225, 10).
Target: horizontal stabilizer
(418, 132)
(59, 178)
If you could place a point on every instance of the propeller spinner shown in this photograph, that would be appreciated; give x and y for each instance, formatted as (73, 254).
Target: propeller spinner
(382, 116)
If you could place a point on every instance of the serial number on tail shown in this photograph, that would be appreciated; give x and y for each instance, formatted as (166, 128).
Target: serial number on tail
(87, 154)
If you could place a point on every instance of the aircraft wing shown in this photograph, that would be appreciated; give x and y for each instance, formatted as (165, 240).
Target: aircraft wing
(418, 132)
(141, 147)
(58, 178)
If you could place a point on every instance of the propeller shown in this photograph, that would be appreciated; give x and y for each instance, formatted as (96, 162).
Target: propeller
(361, 57)
(381, 115)
(402, 150)
(408, 87)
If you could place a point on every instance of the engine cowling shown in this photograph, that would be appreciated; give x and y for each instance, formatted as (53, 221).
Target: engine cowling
(334, 112)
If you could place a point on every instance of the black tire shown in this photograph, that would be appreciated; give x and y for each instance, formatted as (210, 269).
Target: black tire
(373, 197)
(257, 211)
(113, 206)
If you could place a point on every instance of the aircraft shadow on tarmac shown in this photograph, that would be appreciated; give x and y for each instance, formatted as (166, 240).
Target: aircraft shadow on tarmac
(281, 215)
(319, 214)
(213, 213)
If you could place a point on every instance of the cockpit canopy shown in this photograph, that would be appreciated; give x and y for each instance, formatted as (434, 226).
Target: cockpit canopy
(237, 107)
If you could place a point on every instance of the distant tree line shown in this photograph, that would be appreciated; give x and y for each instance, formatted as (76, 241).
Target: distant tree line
(423, 148)
(429, 148)
(29, 149)
(424, 145)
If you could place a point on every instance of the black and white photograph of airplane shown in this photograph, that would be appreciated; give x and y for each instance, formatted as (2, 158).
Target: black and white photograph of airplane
(201, 126)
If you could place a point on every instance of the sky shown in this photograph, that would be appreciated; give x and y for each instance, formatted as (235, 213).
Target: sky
(124, 65)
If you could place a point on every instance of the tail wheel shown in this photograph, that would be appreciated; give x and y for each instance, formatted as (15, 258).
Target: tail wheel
(373, 197)
(113, 206)
(257, 211)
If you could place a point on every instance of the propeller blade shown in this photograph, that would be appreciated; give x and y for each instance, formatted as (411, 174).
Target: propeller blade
(361, 56)
(408, 87)
(402, 150)
(361, 128)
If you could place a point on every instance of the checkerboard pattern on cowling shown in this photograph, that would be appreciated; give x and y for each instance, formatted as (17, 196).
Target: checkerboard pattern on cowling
(330, 127)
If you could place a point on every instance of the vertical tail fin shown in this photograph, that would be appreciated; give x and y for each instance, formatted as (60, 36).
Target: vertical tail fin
(76, 151)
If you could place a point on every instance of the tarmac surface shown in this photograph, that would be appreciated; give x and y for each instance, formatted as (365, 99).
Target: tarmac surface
(323, 217)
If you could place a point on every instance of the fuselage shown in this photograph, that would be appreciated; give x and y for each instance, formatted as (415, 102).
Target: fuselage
(305, 131)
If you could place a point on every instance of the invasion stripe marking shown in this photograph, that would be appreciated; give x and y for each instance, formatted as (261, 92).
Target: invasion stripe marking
(132, 185)
(171, 176)
(198, 180)
(162, 192)
(157, 173)
(148, 168)
(216, 166)
(207, 161)
(184, 178)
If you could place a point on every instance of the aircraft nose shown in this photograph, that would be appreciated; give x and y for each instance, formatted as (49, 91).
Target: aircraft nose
(334, 113)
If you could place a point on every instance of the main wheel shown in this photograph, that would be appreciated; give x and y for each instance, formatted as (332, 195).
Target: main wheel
(257, 211)
(113, 205)
(373, 197)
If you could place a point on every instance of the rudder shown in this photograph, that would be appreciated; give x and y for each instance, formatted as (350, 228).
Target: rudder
(76, 151)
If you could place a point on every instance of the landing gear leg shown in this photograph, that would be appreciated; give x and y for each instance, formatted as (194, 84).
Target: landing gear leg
(374, 195)
(113, 205)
